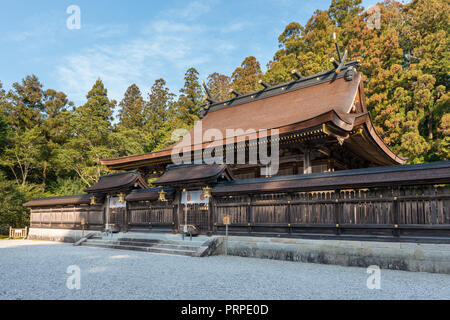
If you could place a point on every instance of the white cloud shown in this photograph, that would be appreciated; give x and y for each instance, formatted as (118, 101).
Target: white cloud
(191, 11)
(163, 48)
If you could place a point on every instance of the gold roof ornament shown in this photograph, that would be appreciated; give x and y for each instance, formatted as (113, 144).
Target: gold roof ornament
(162, 196)
(93, 201)
(207, 192)
(121, 197)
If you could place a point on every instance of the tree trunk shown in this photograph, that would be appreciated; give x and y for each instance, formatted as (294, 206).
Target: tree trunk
(44, 176)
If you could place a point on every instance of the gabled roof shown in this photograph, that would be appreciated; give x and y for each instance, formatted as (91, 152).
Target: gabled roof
(194, 174)
(64, 200)
(425, 173)
(118, 182)
(149, 194)
(325, 98)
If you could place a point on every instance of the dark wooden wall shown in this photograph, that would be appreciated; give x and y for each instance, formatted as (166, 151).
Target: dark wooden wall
(402, 213)
(372, 213)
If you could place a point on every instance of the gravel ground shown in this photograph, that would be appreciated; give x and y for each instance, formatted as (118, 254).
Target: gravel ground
(37, 270)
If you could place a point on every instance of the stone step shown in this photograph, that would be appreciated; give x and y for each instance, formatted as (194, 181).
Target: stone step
(187, 242)
(161, 244)
(140, 248)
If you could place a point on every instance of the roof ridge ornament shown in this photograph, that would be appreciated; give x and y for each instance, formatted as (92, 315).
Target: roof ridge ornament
(296, 74)
(338, 65)
(235, 93)
(264, 84)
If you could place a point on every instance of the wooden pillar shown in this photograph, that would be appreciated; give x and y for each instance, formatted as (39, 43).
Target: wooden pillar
(126, 221)
(307, 161)
(337, 206)
(395, 211)
(288, 213)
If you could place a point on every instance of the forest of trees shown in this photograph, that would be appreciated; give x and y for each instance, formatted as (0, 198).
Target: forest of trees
(49, 146)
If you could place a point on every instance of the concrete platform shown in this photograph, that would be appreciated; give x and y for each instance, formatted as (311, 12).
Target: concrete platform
(419, 257)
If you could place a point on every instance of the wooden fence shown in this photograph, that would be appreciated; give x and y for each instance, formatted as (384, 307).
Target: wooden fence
(398, 212)
(381, 212)
(68, 217)
(151, 216)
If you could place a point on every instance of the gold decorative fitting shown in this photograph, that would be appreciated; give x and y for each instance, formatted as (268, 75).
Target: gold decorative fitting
(121, 197)
(93, 201)
(207, 192)
(162, 196)
(395, 225)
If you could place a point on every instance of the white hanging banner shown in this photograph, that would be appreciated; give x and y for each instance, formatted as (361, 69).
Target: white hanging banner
(193, 196)
(115, 203)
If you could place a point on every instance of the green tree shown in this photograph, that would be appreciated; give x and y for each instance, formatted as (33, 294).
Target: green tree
(54, 128)
(25, 103)
(245, 78)
(90, 138)
(131, 113)
(219, 85)
(191, 98)
(160, 108)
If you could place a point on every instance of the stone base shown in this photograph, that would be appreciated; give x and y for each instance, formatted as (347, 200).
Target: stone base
(60, 235)
(419, 257)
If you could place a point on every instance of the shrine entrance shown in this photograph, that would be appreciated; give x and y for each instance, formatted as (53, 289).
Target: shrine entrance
(197, 215)
(117, 219)
(195, 210)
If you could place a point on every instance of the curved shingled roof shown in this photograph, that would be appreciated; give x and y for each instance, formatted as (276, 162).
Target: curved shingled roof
(191, 174)
(327, 98)
(118, 182)
(64, 201)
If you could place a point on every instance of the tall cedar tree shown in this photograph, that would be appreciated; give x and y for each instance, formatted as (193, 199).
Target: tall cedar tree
(158, 110)
(131, 113)
(219, 86)
(245, 78)
(191, 98)
(91, 138)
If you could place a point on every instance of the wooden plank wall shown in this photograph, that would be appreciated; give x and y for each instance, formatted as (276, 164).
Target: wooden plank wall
(68, 217)
(384, 212)
(388, 212)
(151, 216)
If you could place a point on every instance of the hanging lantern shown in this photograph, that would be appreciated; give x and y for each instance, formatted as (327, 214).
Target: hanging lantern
(162, 196)
(207, 192)
(121, 197)
(93, 201)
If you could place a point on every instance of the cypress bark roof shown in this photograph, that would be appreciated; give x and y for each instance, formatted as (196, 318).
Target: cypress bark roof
(425, 173)
(331, 98)
(192, 174)
(65, 200)
(149, 194)
(118, 182)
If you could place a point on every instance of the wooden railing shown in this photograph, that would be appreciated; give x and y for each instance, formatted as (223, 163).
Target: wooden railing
(18, 233)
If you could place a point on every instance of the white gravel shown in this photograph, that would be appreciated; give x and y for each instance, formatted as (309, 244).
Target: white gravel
(37, 270)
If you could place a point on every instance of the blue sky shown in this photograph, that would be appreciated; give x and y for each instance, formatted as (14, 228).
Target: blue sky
(137, 41)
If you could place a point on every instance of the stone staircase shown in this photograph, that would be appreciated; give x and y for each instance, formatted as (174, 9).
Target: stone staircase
(194, 248)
